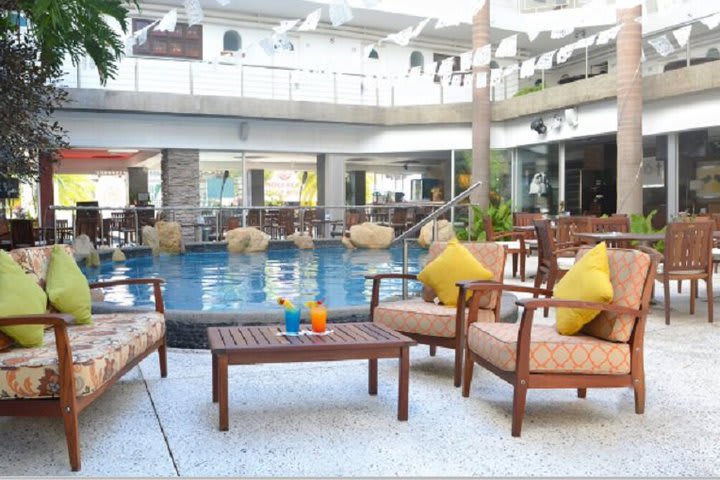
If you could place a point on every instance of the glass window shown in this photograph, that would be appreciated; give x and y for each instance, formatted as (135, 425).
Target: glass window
(699, 167)
(374, 54)
(416, 59)
(653, 176)
(538, 178)
(499, 174)
(232, 42)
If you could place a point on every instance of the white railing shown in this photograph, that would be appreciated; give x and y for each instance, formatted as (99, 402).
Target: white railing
(532, 6)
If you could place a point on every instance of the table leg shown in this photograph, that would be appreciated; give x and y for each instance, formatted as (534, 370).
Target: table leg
(372, 376)
(404, 383)
(222, 386)
(214, 378)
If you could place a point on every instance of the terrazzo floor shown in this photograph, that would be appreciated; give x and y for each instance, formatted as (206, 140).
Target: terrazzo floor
(318, 420)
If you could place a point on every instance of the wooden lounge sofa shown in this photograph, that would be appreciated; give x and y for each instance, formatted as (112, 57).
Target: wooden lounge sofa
(77, 363)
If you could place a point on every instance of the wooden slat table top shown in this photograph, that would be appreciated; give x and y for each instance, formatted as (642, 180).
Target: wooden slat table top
(265, 339)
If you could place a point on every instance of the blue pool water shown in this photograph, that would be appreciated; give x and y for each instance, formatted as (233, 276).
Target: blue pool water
(219, 282)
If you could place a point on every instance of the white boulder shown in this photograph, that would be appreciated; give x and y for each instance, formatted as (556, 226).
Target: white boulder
(243, 240)
(348, 244)
(302, 240)
(118, 255)
(150, 239)
(370, 235)
(445, 233)
(170, 236)
(82, 246)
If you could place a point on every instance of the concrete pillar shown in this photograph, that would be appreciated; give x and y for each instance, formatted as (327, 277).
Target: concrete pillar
(331, 182)
(359, 187)
(257, 188)
(180, 176)
(137, 183)
(629, 100)
(46, 190)
(481, 114)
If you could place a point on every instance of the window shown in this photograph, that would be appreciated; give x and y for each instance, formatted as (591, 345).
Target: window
(416, 59)
(374, 55)
(232, 41)
(183, 42)
(713, 53)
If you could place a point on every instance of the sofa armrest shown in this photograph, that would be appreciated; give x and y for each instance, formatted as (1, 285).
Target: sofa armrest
(375, 299)
(155, 282)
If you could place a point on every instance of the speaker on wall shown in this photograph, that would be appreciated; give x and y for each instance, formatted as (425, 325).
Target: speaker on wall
(243, 131)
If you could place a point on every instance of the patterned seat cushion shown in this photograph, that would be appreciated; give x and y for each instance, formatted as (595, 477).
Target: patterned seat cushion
(99, 352)
(549, 351)
(418, 316)
(35, 260)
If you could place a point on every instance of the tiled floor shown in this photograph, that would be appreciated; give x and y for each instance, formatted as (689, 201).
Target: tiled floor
(318, 420)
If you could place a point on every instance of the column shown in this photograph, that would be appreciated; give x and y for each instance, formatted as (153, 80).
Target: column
(331, 183)
(481, 114)
(359, 187)
(180, 176)
(629, 100)
(137, 183)
(47, 190)
(257, 188)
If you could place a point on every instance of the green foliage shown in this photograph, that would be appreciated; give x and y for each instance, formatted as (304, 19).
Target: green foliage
(643, 224)
(501, 216)
(527, 90)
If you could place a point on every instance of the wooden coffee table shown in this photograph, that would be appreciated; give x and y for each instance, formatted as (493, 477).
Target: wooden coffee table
(349, 341)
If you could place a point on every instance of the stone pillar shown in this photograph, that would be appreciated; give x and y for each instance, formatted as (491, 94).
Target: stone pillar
(257, 188)
(481, 114)
(46, 217)
(331, 182)
(137, 183)
(180, 175)
(629, 100)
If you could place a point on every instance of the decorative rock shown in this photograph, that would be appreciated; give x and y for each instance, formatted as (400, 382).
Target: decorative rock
(93, 259)
(302, 240)
(348, 244)
(445, 233)
(369, 235)
(97, 295)
(245, 240)
(82, 246)
(170, 236)
(118, 255)
(150, 239)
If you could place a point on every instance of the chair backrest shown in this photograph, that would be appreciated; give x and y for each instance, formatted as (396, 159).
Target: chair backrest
(4, 229)
(619, 224)
(21, 233)
(688, 246)
(568, 226)
(525, 219)
(253, 218)
(632, 274)
(490, 254)
(233, 223)
(716, 218)
(399, 216)
(546, 243)
(353, 218)
(35, 260)
(286, 220)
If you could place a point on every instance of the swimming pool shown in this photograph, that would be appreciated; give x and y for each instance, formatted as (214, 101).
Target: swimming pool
(220, 282)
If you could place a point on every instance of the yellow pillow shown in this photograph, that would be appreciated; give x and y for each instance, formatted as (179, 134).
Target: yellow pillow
(454, 264)
(589, 281)
(20, 295)
(67, 288)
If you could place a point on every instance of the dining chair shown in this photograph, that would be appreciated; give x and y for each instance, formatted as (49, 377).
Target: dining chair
(21, 233)
(567, 227)
(620, 224)
(514, 243)
(526, 219)
(688, 256)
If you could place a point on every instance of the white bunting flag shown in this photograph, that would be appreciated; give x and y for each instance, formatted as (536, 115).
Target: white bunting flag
(507, 47)
(420, 27)
(495, 76)
(401, 38)
(140, 36)
(285, 26)
(446, 66)
(510, 69)
(311, 21)
(481, 80)
(194, 12)
(466, 61)
(606, 35)
(430, 68)
(527, 69)
(662, 45)
(368, 50)
(168, 22)
(450, 20)
(712, 21)
(533, 34)
(564, 53)
(340, 13)
(482, 56)
(545, 61)
(562, 33)
(586, 42)
(268, 46)
(682, 35)
(223, 3)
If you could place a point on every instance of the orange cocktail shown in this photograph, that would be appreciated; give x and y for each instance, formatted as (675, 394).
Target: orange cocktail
(318, 318)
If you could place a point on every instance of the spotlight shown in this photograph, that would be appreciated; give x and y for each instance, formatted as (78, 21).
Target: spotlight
(539, 126)
(571, 117)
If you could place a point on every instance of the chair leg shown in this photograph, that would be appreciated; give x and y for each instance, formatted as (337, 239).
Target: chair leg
(550, 284)
(519, 397)
(514, 264)
(582, 392)
(72, 436)
(666, 288)
(433, 350)
(639, 389)
(679, 286)
(693, 288)
(710, 299)
(162, 353)
(539, 276)
(467, 374)
(522, 266)
(458, 365)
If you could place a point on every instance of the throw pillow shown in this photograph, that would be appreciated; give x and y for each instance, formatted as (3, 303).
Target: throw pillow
(454, 264)
(67, 287)
(20, 295)
(589, 281)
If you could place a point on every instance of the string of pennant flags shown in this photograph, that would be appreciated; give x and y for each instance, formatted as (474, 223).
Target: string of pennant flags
(340, 13)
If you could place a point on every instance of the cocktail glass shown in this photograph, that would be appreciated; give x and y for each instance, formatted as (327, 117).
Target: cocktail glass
(318, 318)
(292, 320)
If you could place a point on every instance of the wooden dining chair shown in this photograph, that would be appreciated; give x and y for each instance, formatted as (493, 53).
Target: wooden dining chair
(526, 219)
(688, 256)
(619, 224)
(21, 233)
(566, 229)
(514, 243)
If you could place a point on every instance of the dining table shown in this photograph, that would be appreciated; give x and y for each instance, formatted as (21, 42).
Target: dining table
(642, 238)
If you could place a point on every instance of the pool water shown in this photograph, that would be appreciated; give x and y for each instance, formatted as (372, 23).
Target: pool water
(220, 282)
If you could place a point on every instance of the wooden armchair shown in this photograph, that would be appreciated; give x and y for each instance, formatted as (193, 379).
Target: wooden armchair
(607, 354)
(439, 325)
(566, 229)
(688, 256)
(525, 219)
(515, 246)
(552, 262)
(619, 224)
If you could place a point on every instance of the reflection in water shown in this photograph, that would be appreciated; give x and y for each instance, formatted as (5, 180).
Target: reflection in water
(221, 282)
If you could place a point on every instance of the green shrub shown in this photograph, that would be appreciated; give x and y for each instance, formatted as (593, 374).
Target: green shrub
(643, 224)
(526, 90)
